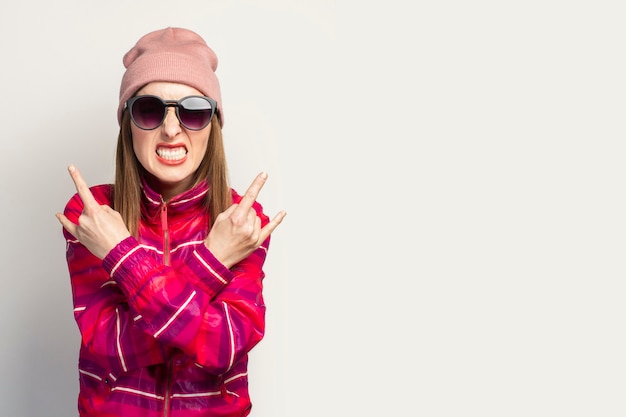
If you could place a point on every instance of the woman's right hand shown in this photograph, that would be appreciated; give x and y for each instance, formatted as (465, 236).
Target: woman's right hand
(237, 231)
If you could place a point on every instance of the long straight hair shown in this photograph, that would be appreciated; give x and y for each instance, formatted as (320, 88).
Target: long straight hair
(129, 172)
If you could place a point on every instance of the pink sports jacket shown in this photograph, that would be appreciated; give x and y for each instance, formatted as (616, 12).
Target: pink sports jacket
(166, 328)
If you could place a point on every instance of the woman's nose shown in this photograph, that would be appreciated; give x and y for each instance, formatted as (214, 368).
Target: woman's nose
(171, 124)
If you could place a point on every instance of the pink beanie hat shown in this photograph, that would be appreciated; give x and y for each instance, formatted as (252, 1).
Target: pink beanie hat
(171, 55)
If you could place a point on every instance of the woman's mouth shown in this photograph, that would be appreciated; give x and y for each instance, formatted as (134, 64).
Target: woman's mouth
(171, 155)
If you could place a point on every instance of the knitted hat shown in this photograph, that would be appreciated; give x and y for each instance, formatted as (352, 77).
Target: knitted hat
(171, 55)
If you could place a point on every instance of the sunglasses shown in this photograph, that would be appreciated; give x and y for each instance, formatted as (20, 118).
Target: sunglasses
(194, 112)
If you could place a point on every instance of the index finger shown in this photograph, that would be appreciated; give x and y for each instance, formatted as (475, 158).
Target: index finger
(253, 191)
(81, 187)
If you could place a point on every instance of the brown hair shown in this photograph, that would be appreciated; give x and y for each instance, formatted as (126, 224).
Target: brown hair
(128, 174)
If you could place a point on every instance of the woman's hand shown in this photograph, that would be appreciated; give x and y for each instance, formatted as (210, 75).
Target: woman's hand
(99, 228)
(237, 232)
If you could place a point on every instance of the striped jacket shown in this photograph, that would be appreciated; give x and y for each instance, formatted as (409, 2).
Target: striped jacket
(165, 327)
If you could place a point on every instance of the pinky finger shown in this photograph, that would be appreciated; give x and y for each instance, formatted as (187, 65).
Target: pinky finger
(66, 223)
(272, 225)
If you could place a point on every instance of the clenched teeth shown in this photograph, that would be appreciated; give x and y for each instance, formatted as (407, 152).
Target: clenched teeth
(171, 154)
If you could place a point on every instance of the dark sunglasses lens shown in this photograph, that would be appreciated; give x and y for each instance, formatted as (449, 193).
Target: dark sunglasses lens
(195, 112)
(148, 112)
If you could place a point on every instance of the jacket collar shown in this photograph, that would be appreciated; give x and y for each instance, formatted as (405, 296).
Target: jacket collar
(152, 202)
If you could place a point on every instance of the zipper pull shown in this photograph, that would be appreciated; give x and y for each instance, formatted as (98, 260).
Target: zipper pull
(166, 233)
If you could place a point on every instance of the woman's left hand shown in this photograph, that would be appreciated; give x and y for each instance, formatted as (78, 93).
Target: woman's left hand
(99, 228)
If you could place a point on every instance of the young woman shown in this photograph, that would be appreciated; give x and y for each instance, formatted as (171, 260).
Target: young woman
(166, 263)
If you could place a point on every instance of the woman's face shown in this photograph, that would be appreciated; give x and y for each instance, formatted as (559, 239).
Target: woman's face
(170, 154)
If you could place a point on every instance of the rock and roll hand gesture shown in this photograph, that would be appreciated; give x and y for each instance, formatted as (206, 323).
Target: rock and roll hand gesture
(235, 234)
(99, 228)
(237, 231)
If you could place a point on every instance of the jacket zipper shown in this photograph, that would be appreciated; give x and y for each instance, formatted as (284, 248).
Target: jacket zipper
(166, 234)
(166, 261)
(168, 383)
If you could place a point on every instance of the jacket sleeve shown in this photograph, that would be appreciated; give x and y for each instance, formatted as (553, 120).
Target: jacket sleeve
(109, 329)
(213, 314)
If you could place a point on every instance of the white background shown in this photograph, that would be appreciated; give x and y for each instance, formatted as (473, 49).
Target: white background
(453, 174)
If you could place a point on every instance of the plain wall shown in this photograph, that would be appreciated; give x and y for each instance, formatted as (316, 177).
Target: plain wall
(452, 171)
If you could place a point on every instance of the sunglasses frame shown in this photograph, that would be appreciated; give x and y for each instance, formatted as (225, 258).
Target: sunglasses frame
(170, 103)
